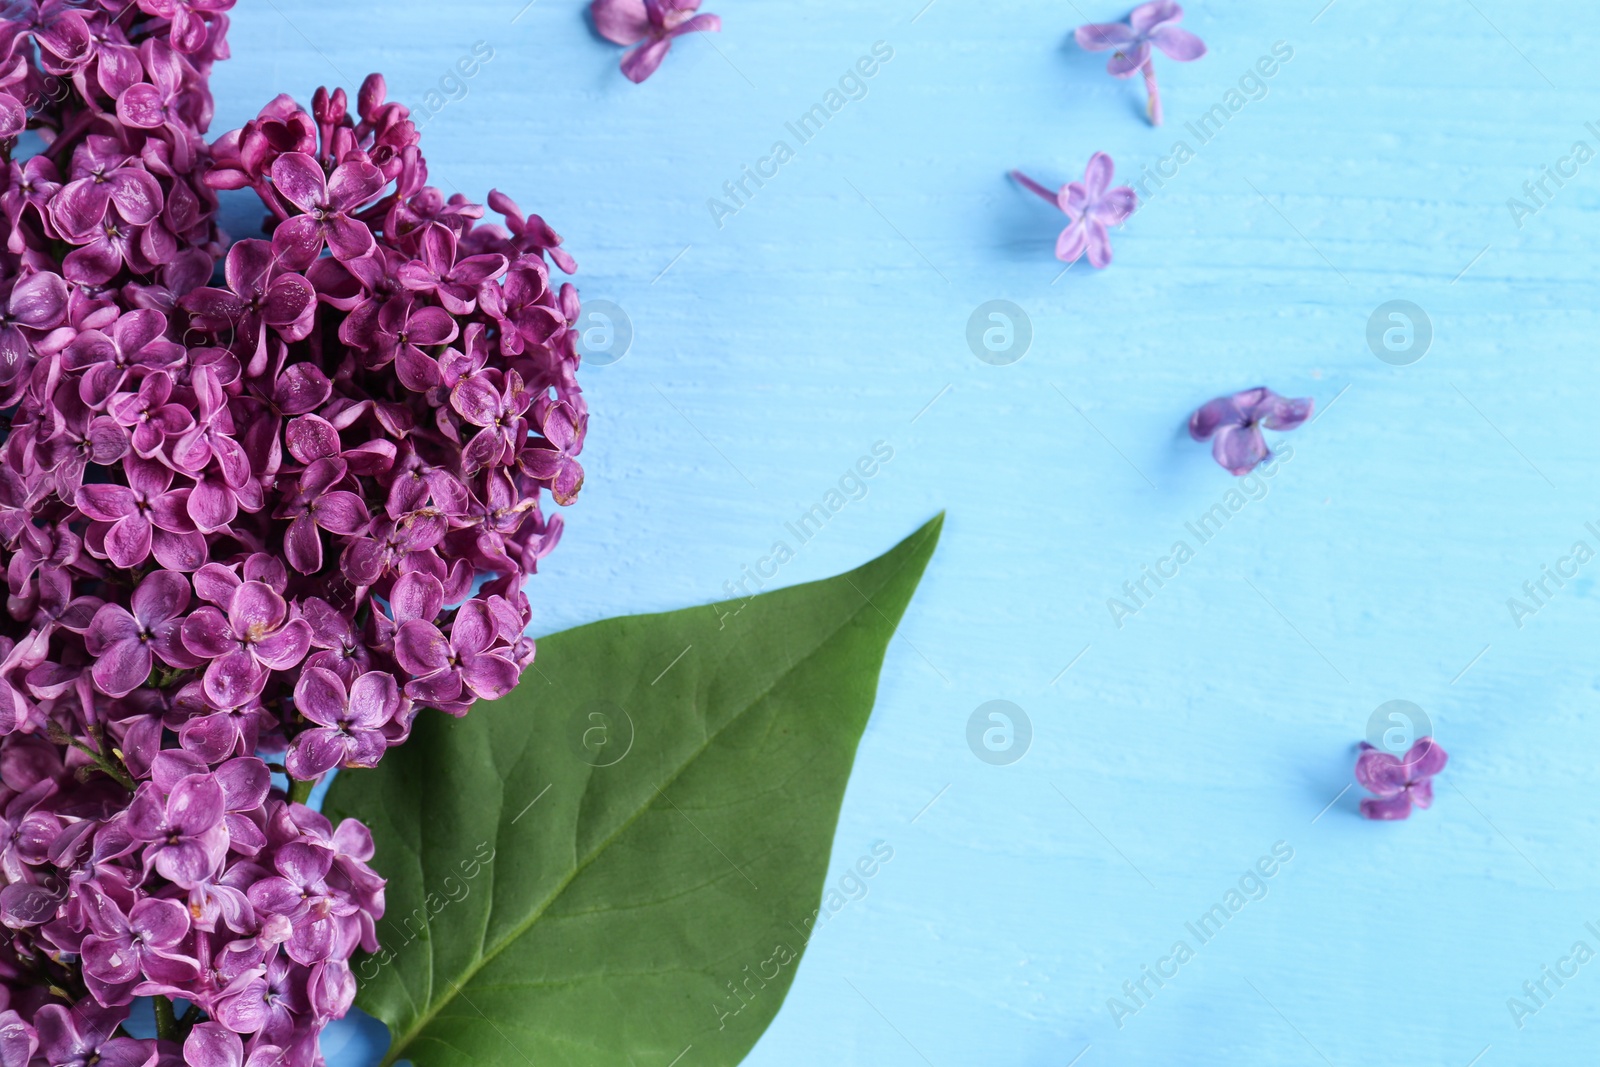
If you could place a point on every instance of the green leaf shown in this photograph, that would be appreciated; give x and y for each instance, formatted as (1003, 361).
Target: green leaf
(622, 859)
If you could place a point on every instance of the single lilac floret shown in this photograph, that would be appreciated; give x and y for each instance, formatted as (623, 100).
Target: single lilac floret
(1399, 782)
(652, 25)
(1154, 23)
(1092, 206)
(1235, 423)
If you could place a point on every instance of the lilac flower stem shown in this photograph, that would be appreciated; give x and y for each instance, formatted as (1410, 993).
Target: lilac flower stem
(299, 791)
(1154, 107)
(1033, 187)
(113, 768)
(166, 1019)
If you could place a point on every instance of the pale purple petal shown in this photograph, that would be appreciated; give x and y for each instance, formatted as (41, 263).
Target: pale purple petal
(299, 179)
(320, 696)
(420, 648)
(1147, 16)
(489, 677)
(1387, 808)
(1097, 175)
(623, 22)
(1072, 242)
(1212, 414)
(643, 61)
(1099, 243)
(1178, 43)
(287, 647)
(374, 699)
(1425, 759)
(315, 752)
(1239, 449)
(1380, 773)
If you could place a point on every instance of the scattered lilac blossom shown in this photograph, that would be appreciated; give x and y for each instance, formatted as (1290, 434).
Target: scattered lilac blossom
(1399, 782)
(651, 25)
(1091, 207)
(1154, 23)
(1234, 422)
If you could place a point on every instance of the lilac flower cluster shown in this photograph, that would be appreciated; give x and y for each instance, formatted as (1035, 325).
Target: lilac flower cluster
(247, 522)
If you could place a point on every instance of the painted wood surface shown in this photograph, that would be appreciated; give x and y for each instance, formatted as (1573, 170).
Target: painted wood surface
(775, 346)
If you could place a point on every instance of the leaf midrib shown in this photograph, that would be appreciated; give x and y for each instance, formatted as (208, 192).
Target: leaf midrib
(413, 1032)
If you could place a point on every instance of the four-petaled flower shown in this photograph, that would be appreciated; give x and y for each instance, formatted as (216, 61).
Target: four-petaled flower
(349, 730)
(554, 460)
(501, 414)
(137, 339)
(1235, 421)
(443, 666)
(184, 827)
(129, 519)
(148, 940)
(257, 634)
(300, 892)
(1091, 205)
(327, 201)
(150, 414)
(454, 281)
(1154, 23)
(315, 506)
(260, 292)
(1399, 781)
(653, 22)
(124, 643)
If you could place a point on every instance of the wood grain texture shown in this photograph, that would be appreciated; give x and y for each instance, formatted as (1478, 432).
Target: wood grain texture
(826, 314)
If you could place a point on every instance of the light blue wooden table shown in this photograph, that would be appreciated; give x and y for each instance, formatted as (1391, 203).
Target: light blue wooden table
(830, 313)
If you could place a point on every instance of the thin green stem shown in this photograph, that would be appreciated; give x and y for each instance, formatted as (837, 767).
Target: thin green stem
(166, 1019)
(110, 766)
(300, 792)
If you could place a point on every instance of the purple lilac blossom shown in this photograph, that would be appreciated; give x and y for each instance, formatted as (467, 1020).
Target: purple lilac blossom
(1399, 782)
(1154, 23)
(651, 25)
(1091, 207)
(259, 505)
(1233, 425)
